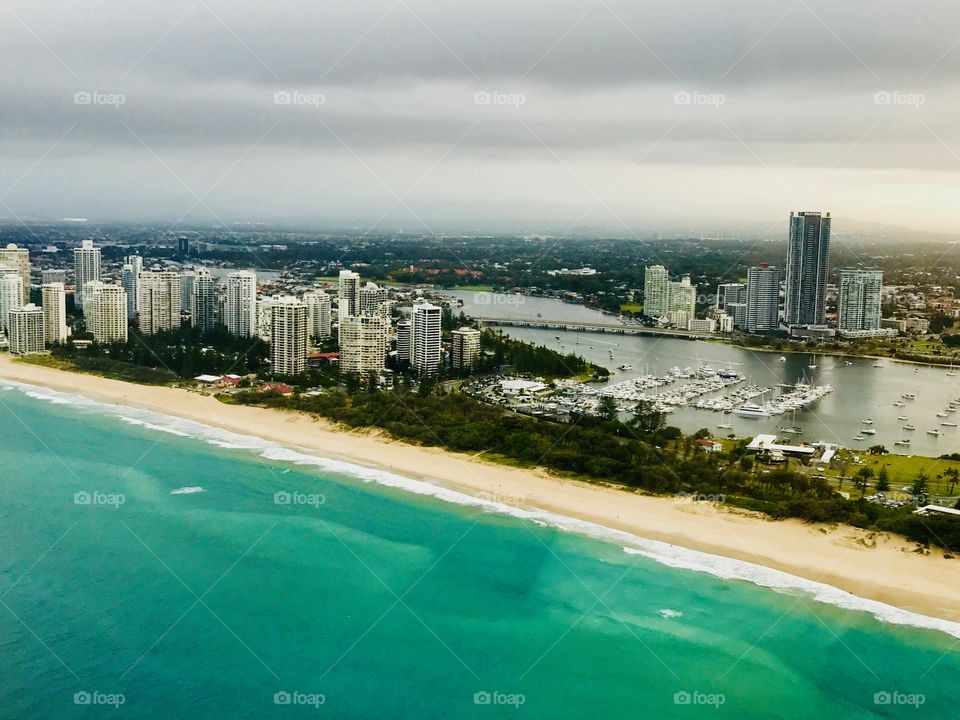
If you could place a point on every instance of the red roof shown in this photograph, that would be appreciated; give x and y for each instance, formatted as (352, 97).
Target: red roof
(323, 356)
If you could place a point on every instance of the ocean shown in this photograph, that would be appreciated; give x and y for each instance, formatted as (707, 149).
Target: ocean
(155, 567)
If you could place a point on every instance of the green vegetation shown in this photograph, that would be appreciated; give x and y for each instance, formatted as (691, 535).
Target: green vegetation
(104, 367)
(526, 358)
(640, 454)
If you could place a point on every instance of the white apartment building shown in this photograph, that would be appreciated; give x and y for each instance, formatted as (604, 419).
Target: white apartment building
(18, 260)
(25, 330)
(11, 296)
(130, 279)
(54, 299)
(86, 267)
(319, 308)
(203, 306)
(349, 294)
(240, 304)
(465, 348)
(159, 301)
(426, 337)
(288, 336)
(105, 310)
(363, 344)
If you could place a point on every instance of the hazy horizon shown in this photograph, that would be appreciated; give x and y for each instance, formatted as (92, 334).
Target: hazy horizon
(562, 118)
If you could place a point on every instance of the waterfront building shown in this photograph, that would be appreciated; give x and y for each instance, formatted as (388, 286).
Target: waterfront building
(203, 308)
(18, 260)
(54, 299)
(683, 296)
(159, 301)
(11, 295)
(808, 261)
(25, 330)
(730, 293)
(240, 304)
(288, 336)
(319, 306)
(465, 348)
(86, 267)
(738, 311)
(763, 299)
(724, 323)
(426, 336)
(105, 311)
(349, 294)
(677, 318)
(656, 291)
(702, 326)
(859, 301)
(404, 340)
(363, 344)
(130, 280)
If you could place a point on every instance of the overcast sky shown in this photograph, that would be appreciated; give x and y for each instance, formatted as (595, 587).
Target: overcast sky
(531, 115)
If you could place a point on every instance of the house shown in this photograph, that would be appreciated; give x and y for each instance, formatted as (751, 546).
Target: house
(709, 445)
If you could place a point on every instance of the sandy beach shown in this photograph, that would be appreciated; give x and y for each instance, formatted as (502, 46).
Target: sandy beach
(874, 566)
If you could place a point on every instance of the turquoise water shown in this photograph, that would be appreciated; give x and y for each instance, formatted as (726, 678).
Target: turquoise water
(361, 600)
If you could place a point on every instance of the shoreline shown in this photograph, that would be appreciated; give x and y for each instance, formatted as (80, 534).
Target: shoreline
(873, 566)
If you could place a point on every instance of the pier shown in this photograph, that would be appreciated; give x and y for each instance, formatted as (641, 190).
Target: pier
(613, 328)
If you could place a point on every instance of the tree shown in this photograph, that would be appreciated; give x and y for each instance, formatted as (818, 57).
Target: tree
(883, 480)
(953, 478)
(647, 419)
(920, 486)
(607, 408)
(877, 450)
(863, 479)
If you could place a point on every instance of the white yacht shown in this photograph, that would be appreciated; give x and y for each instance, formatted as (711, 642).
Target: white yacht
(933, 432)
(752, 410)
(868, 431)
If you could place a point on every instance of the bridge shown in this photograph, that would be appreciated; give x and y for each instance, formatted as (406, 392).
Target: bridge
(609, 328)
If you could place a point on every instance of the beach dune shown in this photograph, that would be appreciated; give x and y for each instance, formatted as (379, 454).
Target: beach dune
(879, 567)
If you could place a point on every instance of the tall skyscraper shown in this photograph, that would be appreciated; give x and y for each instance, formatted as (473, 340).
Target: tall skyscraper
(240, 304)
(318, 313)
(188, 281)
(159, 301)
(18, 260)
(656, 291)
(54, 299)
(683, 296)
(130, 279)
(203, 311)
(808, 263)
(404, 341)
(363, 344)
(349, 294)
(426, 335)
(86, 267)
(859, 304)
(25, 330)
(288, 336)
(105, 311)
(11, 296)
(52, 275)
(183, 246)
(465, 348)
(763, 298)
(372, 298)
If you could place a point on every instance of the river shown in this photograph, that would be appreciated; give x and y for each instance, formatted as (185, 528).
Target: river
(861, 390)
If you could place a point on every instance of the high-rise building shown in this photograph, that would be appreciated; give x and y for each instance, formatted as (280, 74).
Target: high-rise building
(465, 348)
(183, 246)
(265, 315)
(372, 298)
(404, 341)
(52, 275)
(188, 281)
(288, 336)
(683, 296)
(738, 311)
(656, 291)
(25, 330)
(318, 313)
(54, 299)
(730, 293)
(203, 310)
(808, 261)
(426, 336)
(861, 293)
(240, 304)
(349, 294)
(18, 260)
(11, 296)
(159, 301)
(130, 279)
(363, 344)
(763, 298)
(105, 311)
(86, 267)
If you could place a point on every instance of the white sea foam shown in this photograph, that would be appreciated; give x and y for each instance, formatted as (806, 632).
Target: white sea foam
(668, 613)
(663, 553)
(187, 491)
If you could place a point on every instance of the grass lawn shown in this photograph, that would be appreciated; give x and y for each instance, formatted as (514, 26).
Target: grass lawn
(902, 469)
(474, 288)
(631, 307)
